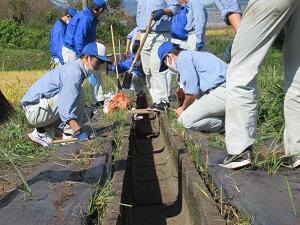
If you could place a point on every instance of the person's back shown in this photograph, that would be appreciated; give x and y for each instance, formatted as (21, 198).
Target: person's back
(202, 76)
(57, 39)
(54, 82)
(57, 36)
(81, 31)
(201, 68)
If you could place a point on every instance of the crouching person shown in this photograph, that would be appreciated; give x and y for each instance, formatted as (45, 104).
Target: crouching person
(137, 72)
(58, 96)
(203, 78)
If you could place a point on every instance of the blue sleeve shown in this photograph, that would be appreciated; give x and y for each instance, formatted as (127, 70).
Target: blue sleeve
(226, 7)
(53, 38)
(57, 39)
(188, 74)
(130, 35)
(81, 35)
(68, 97)
(70, 31)
(123, 66)
(200, 19)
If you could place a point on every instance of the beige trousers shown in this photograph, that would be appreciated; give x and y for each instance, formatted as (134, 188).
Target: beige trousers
(189, 44)
(156, 81)
(261, 24)
(46, 114)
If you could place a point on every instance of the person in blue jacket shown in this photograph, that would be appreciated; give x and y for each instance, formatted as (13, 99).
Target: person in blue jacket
(188, 26)
(81, 31)
(58, 96)
(137, 72)
(57, 36)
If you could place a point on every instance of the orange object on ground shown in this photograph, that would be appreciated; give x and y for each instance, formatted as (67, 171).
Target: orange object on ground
(119, 101)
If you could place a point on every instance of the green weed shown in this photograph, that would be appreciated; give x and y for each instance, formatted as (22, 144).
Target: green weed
(26, 188)
(118, 142)
(291, 195)
(16, 144)
(268, 160)
(101, 199)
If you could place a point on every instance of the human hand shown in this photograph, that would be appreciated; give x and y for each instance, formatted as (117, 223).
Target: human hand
(199, 46)
(179, 111)
(157, 14)
(127, 52)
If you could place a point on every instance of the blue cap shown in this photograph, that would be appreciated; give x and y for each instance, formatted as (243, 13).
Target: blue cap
(100, 3)
(163, 51)
(72, 11)
(97, 50)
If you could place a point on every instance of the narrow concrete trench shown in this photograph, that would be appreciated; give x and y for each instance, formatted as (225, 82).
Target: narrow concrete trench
(153, 184)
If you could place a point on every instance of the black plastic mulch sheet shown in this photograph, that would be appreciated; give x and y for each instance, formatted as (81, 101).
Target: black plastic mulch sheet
(264, 198)
(62, 191)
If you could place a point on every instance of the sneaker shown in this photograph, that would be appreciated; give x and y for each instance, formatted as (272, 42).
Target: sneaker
(291, 161)
(41, 138)
(163, 106)
(66, 136)
(237, 161)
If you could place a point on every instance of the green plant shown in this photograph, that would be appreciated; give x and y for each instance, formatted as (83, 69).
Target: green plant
(218, 139)
(114, 3)
(16, 144)
(291, 195)
(14, 35)
(270, 161)
(26, 188)
(118, 142)
(29, 59)
(194, 151)
(101, 198)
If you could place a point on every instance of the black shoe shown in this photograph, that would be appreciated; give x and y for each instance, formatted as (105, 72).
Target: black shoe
(291, 161)
(163, 105)
(95, 108)
(237, 161)
(99, 104)
(153, 106)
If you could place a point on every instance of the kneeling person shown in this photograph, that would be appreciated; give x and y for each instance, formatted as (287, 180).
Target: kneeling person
(59, 95)
(203, 78)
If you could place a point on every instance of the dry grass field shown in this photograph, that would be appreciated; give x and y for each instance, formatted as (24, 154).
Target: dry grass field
(14, 84)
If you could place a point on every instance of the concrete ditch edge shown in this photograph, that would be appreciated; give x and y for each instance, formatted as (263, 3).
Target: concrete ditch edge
(202, 207)
(113, 209)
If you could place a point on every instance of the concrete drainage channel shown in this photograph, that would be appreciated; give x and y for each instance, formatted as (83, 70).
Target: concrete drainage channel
(155, 183)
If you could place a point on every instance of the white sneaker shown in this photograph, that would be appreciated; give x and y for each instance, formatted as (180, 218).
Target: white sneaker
(67, 137)
(41, 138)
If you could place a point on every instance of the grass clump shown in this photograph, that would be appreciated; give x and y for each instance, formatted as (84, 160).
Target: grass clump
(17, 146)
